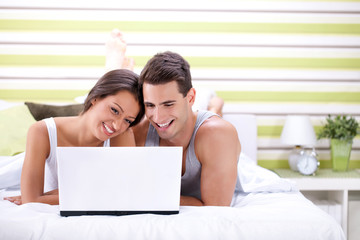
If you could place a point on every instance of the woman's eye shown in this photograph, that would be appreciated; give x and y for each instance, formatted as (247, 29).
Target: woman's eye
(114, 110)
(128, 121)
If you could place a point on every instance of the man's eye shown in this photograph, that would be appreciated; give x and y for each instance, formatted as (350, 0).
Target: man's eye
(168, 104)
(149, 105)
(114, 110)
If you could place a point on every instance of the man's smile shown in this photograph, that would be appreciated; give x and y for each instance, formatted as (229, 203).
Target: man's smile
(164, 125)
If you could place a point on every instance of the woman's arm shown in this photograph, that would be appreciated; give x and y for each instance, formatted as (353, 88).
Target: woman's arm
(33, 171)
(17, 199)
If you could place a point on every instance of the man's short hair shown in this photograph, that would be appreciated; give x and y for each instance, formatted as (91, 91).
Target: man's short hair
(167, 67)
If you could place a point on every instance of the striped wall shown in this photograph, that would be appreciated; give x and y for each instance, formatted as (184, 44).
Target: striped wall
(268, 58)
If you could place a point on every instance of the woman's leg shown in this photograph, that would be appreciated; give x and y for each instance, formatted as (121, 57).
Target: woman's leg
(115, 52)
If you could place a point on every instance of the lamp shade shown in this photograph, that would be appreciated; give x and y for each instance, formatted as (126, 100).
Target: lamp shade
(298, 131)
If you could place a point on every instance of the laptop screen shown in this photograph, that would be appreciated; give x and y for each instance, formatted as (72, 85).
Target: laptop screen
(119, 180)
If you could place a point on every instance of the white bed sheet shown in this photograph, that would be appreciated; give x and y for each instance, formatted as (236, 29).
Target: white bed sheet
(282, 215)
(271, 208)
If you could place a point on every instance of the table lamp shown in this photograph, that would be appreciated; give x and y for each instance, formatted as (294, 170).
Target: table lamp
(298, 132)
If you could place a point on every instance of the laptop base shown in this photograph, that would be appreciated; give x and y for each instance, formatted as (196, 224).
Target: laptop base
(114, 213)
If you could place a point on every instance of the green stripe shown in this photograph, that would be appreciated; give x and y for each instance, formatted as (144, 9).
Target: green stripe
(52, 60)
(269, 131)
(42, 95)
(249, 62)
(195, 62)
(198, 27)
(274, 131)
(312, 0)
(273, 164)
(311, 97)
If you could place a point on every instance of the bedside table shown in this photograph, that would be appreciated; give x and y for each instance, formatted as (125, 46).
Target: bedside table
(341, 190)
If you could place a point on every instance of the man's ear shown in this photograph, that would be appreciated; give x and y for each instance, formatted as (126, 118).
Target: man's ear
(191, 96)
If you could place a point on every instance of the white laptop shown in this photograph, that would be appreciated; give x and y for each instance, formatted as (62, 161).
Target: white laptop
(119, 180)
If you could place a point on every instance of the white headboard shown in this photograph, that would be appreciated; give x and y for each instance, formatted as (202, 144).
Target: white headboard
(246, 127)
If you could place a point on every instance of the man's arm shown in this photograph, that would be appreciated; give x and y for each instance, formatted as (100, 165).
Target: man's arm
(218, 148)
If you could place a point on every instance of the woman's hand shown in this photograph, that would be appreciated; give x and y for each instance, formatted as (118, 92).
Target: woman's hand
(15, 199)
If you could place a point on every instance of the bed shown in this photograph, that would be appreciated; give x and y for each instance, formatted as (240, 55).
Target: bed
(269, 208)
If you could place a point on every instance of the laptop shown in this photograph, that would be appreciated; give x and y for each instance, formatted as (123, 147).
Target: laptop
(119, 180)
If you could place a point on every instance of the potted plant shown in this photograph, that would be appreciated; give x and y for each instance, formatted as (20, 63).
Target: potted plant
(341, 131)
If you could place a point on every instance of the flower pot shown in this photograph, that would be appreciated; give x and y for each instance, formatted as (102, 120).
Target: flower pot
(340, 154)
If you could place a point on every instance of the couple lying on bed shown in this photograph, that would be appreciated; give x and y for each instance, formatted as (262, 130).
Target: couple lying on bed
(113, 116)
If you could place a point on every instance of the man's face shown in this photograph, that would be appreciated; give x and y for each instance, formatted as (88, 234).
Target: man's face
(166, 108)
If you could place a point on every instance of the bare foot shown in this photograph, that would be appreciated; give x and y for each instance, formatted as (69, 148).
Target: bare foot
(115, 50)
(128, 63)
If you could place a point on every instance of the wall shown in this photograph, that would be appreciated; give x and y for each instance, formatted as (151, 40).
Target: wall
(268, 58)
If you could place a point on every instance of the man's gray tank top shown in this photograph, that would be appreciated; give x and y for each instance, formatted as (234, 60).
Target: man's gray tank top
(190, 181)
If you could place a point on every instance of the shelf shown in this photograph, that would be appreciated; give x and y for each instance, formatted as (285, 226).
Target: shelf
(332, 192)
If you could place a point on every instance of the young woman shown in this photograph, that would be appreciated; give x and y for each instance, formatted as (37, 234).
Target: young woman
(112, 106)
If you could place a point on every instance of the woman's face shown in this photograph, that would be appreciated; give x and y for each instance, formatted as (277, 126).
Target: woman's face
(113, 114)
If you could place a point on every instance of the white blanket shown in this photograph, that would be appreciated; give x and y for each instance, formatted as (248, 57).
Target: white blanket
(255, 216)
(269, 208)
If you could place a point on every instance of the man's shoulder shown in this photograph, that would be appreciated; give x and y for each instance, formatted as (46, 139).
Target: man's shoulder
(214, 126)
(216, 138)
(215, 122)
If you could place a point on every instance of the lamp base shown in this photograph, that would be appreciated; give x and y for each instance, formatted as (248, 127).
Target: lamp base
(293, 158)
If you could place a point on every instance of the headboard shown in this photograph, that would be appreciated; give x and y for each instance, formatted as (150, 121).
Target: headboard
(246, 127)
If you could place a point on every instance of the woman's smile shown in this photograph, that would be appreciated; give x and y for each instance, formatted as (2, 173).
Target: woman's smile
(107, 129)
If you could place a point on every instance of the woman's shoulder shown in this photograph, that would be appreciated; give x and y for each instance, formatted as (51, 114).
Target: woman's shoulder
(39, 126)
(37, 138)
(126, 139)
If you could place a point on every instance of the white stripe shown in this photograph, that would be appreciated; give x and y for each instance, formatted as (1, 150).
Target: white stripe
(190, 4)
(52, 50)
(274, 74)
(51, 72)
(273, 86)
(283, 154)
(215, 86)
(174, 16)
(196, 73)
(47, 84)
(183, 38)
(275, 120)
(185, 51)
(292, 108)
(264, 142)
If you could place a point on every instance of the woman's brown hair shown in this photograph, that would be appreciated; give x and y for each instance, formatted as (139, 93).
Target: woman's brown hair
(114, 82)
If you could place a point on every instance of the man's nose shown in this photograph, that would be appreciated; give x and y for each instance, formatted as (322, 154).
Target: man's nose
(157, 117)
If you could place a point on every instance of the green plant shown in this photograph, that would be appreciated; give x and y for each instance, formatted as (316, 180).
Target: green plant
(339, 127)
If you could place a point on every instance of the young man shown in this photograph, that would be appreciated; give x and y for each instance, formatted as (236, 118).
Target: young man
(211, 147)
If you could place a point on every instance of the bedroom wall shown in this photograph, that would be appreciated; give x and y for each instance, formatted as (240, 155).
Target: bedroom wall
(268, 58)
